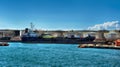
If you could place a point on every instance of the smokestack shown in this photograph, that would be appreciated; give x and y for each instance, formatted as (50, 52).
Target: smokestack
(26, 30)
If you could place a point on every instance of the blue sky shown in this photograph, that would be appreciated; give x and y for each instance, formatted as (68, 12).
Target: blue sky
(57, 14)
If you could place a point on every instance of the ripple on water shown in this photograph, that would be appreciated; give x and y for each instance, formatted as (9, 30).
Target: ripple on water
(47, 55)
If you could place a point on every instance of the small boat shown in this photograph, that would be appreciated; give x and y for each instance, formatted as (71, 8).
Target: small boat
(4, 44)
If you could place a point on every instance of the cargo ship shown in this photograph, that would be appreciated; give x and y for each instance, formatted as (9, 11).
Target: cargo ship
(31, 37)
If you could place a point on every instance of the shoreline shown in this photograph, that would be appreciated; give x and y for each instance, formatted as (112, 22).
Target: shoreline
(98, 45)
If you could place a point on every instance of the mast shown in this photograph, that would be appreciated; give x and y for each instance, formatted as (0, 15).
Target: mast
(32, 26)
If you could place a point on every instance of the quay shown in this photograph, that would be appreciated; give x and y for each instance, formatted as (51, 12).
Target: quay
(115, 45)
(10, 41)
(100, 46)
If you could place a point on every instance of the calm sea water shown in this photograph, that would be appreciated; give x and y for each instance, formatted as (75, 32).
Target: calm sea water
(56, 55)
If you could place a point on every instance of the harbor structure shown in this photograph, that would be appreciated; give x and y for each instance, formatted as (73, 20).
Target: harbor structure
(100, 35)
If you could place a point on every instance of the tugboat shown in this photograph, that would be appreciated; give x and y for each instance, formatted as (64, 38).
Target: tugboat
(31, 37)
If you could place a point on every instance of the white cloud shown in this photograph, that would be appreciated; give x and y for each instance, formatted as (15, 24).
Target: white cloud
(106, 26)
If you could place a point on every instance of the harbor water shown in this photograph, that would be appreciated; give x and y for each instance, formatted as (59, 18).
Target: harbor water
(56, 55)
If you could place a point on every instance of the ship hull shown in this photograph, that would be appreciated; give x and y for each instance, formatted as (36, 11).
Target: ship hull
(56, 40)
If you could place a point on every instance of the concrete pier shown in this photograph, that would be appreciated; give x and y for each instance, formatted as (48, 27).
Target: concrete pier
(99, 46)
